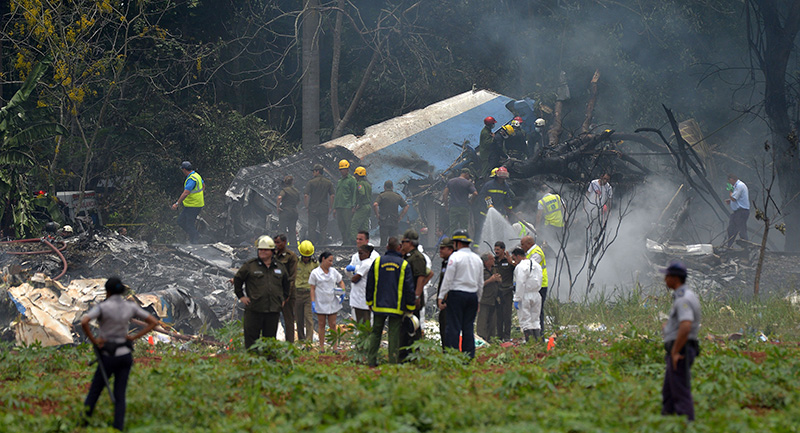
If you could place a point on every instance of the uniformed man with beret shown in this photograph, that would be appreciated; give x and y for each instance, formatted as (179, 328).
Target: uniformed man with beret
(262, 285)
(680, 342)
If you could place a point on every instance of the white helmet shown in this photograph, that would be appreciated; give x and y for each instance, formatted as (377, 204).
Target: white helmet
(539, 122)
(265, 243)
(516, 123)
(67, 229)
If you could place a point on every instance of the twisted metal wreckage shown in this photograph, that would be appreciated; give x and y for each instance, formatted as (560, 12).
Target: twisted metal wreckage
(188, 286)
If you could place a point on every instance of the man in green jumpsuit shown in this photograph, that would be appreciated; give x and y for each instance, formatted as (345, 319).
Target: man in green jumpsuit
(360, 220)
(344, 203)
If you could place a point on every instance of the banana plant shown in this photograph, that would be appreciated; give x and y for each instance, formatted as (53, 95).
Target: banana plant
(22, 124)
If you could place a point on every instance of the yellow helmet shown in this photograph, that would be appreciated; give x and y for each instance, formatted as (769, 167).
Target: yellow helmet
(265, 243)
(306, 249)
(344, 164)
(361, 171)
(493, 173)
(509, 129)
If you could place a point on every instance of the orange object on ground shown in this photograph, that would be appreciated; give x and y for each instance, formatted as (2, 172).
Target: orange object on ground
(551, 343)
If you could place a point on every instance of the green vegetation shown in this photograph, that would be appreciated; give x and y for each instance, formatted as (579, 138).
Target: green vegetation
(600, 380)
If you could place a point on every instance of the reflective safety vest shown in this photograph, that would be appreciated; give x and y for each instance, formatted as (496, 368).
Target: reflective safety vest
(389, 267)
(551, 203)
(538, 250)
(195, 197)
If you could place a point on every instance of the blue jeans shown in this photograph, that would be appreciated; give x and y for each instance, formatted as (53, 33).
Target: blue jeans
(187, 221)
(462, 307)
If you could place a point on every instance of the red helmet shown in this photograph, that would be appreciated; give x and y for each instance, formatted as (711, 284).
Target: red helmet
(518, 119)
(502, 172)
(489, 121)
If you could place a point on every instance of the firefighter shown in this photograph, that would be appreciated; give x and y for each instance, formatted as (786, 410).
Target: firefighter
(363, 200)
(516, 144)
(497, 152)
(421, 274)
(344, 204)
(456, 197)
(487, 138)
(495, 193)
(390, 295)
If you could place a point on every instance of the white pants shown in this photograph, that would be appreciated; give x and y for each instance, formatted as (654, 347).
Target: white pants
(528, 313)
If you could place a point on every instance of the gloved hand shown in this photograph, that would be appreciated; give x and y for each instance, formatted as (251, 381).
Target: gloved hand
(341, 298)
(314, 306)
(516, 305)
(729, 187)
(350, 268)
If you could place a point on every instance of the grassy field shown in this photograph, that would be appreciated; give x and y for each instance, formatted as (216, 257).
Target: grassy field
(604, 375)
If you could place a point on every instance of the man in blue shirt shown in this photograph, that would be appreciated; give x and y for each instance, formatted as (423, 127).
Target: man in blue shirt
(739, 202)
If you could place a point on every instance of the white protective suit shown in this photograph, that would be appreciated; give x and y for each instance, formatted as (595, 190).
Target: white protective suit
(528, 279)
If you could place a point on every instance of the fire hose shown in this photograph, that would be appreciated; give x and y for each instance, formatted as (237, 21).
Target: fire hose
(46, 242)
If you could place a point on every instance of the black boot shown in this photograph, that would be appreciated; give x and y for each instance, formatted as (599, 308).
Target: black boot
(537, 335)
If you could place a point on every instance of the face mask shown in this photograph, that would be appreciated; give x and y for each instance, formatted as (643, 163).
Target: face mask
(729, 187)
(537, 129)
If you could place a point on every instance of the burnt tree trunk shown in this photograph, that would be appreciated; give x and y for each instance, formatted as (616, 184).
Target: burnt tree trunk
(587, 122)
(310, 85)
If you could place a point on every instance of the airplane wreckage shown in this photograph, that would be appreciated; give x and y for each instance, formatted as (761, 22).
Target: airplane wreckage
(188, 287)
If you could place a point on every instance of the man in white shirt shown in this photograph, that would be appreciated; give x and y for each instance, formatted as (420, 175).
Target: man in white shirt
(462, 286)
(739, 201)
(358, 301)
(527, 301)
(598, 197)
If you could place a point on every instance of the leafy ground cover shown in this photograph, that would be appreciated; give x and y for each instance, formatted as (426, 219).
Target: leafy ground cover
(603, 375)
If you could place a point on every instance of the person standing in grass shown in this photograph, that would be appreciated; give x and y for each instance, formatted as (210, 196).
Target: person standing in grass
(324, 302)
(680, 343)
(114, 345)
(527, 296)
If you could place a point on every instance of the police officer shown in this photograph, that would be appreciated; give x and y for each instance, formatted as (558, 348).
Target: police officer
(421, 275)
(289, 260)
(344, 204)
(363, 200)
(445, 250)
(288, 199)
(504, 265)
(390, 295)
(114, 345)
(192, 200)
(486, 140)
(262, 285)
(302, 307)
(462, 286)
(680, 342)
(386, 205)
(318, 198)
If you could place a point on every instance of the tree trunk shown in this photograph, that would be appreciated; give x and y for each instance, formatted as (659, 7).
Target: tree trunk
(337, 132)
(761, 252)
(587, 122)
(310, 84)
(337, 52)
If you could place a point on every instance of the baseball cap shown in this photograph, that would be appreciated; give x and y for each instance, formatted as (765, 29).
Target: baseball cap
(675, 267)
(446, 242)
(411, 235)
(318, 167)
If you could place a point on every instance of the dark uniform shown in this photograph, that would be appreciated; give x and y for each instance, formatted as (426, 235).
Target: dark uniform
(506, 297)
(287, 218)
(389, 293)
(442, 314)
(388, 204)
(419, 268)
(267, 287)
(319, 189)
(344, 202)
(289, 260)
(677, 390)
(363, 202)
(501, 196)
(496, 154)
(487, 316)
(302, 312)
(517, 145)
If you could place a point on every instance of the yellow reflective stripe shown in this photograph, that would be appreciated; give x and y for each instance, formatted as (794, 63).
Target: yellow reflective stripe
(398, 310)
(538, 250)
(497, 191)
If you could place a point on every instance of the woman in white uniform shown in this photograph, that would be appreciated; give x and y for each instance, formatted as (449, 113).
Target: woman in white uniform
(323, 281)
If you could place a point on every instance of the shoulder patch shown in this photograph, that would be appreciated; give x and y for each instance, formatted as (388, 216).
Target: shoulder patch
(278, 272)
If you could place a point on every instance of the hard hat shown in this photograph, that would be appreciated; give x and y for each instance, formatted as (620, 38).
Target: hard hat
(344, 164)
(306, 249)
(539, 122)
(461, 236)
(410, 324)
(502, 172)
(509, 129)
(493, 173)
(516, 123)
(489, 121)
(518, 119)
(265, 243)
(360, 171)
(67, 229)
(186, 165)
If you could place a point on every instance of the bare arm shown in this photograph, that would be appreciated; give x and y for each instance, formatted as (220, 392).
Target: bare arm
(151, 321)
(375, 208)
(683, 336)
(445, 194)
(278, 203)
(403, 213)
(180, 199)
(305, 200)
